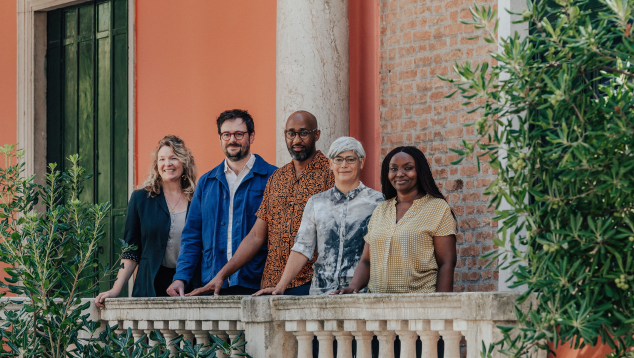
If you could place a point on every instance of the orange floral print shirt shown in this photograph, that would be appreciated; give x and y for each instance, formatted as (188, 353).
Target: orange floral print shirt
(282, 208)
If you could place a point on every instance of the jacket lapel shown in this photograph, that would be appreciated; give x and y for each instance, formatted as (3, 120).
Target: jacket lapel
(162, 202)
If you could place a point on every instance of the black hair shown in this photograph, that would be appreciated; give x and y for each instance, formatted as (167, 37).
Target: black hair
(424, 179)
(235, 114)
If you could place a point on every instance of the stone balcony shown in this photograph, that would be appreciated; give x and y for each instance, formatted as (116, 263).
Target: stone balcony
(285, 326)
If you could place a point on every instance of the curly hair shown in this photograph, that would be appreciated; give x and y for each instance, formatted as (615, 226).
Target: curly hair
(424, 179)
(154, 182)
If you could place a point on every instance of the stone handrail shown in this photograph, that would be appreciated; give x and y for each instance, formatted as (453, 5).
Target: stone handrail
(285, 326)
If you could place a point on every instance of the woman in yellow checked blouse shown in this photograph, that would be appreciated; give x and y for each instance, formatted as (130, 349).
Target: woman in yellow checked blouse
(411, 240)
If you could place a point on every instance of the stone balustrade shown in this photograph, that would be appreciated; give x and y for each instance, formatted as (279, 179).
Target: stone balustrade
(285, 326)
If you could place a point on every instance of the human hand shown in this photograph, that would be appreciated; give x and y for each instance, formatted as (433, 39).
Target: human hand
(345, 291)
(270, 291)
(214, 285)
(99, 301)
(177, 288)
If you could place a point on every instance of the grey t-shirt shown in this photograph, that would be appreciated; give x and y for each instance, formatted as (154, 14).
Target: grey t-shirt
(174, 239)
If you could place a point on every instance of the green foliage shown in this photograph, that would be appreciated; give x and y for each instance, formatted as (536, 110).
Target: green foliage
(50, 254)
(557, 121)
(53, 267)
(123, 345)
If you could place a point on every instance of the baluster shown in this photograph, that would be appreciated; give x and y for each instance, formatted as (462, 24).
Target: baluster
(406, 336)
(136, 332)
(232, 330)
(147, 327)
(452, 343)
(344, 339)
(168, 334)
(428, 337)
(385, 337)
(361, 335)
(304, 338)
(211, 327)
(119, 325)
(325, 338)
(187, 334)
(202, 337)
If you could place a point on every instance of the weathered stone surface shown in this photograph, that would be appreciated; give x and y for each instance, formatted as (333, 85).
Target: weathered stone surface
(273, 325)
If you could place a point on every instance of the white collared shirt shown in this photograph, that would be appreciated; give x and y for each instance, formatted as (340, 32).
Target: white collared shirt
(234, 182)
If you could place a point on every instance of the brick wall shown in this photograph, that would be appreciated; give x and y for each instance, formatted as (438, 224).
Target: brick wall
(421, 39)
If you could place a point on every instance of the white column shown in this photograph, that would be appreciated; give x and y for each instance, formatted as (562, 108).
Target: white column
(508, 29)
(313, 68)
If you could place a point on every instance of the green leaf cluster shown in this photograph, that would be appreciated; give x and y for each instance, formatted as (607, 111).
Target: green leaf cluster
(557, 121)
(49, 240)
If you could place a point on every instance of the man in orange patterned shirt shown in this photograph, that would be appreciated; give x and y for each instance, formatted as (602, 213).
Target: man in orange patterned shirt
(280, 213)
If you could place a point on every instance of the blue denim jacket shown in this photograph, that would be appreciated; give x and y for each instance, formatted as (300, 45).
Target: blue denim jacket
(205, 233)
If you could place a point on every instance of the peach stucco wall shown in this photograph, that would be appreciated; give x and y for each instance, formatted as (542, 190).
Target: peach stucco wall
(8, 54)
(195, 61)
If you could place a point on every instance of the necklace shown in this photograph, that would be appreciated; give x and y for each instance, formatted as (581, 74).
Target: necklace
(173, 207)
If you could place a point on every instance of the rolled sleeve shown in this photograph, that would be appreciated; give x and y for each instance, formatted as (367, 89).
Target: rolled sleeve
(306, 238)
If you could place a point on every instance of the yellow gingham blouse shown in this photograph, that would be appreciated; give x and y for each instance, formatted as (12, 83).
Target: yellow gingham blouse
(402, 258)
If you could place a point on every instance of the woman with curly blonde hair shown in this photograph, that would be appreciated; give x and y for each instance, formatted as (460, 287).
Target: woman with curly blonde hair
(155, 219)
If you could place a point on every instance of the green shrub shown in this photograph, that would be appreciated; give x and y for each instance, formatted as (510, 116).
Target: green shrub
(53, 267)
(557, 121)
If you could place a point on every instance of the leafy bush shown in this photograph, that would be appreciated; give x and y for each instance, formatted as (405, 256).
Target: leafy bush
(557, 121)
(53, 267)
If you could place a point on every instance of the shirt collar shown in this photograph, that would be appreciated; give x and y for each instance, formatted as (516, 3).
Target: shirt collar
(247, 166)
(319, 162)
(351, 194)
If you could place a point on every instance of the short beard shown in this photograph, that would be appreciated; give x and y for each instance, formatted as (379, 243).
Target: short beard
(244, 151)
(303, 155)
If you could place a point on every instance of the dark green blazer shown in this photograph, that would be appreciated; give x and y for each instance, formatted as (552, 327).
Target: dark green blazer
(147, 227)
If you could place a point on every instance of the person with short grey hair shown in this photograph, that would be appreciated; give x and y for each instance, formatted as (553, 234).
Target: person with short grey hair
(334, 224)
(344, 144)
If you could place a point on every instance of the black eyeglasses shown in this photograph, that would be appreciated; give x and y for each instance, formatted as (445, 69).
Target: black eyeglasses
(302, 134)
(227, 135)
(349, 160)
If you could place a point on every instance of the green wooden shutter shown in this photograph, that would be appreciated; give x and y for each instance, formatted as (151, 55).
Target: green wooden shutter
(87, 105)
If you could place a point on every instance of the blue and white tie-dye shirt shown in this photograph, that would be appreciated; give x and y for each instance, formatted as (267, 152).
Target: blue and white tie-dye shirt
(335, 223)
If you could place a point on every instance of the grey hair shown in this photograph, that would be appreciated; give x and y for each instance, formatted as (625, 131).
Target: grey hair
(344, 144)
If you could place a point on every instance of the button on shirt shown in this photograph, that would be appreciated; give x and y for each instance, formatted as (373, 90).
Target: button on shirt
(234, 181)
(402, 254)
(282, 207)
(335, 223)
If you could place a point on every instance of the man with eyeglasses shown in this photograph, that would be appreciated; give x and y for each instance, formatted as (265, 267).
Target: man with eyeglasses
(222, 212)
(335, 223)
(280, 214)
